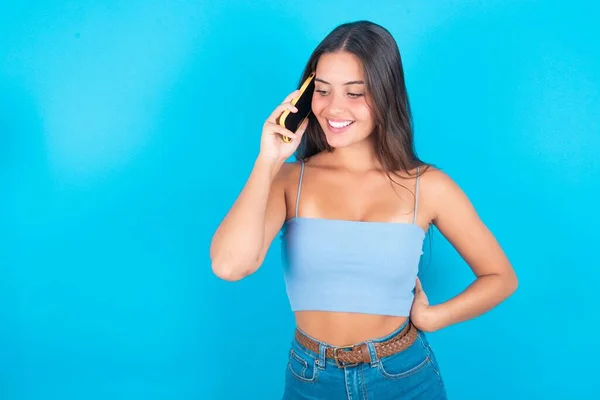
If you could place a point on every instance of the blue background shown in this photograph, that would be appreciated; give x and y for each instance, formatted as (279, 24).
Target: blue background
(129, 127)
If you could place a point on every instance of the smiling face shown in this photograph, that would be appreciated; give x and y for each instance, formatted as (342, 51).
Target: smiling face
(340, 99)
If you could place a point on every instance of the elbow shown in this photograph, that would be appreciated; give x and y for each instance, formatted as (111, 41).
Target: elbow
(515, 284)
(227, 274)
(232, 273)
(512, 284)
(234, 266)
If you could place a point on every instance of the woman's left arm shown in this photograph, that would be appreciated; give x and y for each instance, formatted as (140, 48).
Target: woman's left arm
(455, 217)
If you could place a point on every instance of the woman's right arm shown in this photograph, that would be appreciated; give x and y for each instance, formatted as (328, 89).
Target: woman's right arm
(241, 241)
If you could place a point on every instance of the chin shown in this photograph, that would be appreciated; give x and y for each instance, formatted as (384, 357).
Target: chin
(340, 141)
(336, 141)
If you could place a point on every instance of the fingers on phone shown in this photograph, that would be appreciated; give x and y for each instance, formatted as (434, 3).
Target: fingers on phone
(280, 109)
(280, 130)
(287, 134)
(291, 96)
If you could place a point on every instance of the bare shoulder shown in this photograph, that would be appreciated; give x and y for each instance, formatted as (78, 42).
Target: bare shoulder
(279, 206)
(289, 171)
(287, 181)
(440, 193)
(434, 182)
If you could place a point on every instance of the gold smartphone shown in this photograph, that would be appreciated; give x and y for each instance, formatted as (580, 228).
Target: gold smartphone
(292, 121)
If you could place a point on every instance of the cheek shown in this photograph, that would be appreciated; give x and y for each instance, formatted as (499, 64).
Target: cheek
(363, 113)
(317, 104)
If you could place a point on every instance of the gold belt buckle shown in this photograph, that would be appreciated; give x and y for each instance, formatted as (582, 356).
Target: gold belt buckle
(337, 360)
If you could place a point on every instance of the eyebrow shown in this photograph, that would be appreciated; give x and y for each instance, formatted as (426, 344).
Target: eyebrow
(347, 83)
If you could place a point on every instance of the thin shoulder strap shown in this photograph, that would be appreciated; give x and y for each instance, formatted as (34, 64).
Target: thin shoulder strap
(416, 197)
(299, 186)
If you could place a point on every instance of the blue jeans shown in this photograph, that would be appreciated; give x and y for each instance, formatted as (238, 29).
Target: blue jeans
(410, 374)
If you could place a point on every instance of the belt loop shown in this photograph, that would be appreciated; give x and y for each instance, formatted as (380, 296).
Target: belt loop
(372, 353)
(321, 359)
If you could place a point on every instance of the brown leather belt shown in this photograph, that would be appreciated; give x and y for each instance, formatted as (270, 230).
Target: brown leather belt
(346, 356)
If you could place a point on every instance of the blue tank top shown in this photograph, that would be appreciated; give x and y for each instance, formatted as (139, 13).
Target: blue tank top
(351, 266)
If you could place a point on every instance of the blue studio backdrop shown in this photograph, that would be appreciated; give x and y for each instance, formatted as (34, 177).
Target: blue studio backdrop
(129, 127)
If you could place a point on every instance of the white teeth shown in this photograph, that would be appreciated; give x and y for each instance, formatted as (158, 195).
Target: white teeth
(341, 124)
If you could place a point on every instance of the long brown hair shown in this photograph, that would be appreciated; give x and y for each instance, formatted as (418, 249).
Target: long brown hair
(384, 80)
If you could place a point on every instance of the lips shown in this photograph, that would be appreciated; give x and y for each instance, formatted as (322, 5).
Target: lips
(339, 125)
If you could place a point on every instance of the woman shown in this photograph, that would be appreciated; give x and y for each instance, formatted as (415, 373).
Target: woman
(354, 211)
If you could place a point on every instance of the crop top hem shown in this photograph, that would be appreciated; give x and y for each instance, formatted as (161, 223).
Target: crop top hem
(402, 309)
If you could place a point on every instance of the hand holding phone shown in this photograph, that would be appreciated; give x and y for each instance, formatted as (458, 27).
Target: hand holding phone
(272, 147)
(303, 102)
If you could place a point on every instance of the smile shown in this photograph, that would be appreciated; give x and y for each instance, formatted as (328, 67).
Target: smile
(339, 124)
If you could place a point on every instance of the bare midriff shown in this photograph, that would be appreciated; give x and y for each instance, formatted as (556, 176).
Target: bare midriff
(342, 329)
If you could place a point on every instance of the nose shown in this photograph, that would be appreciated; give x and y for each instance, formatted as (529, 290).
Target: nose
(336, 105)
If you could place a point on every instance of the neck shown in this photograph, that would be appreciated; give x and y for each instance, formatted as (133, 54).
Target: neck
(358, 157)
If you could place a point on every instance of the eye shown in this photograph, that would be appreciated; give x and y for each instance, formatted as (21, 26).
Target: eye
(321, 92)
(354, 95)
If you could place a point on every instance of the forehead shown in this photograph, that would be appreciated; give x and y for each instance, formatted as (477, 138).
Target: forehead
(340, 67)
